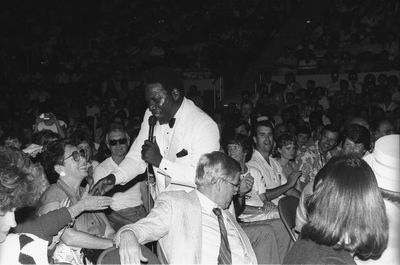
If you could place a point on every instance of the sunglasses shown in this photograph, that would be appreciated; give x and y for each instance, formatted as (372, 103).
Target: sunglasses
(121, 141)
(76, 155)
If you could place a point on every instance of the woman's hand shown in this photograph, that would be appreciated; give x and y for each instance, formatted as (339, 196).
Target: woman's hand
(90, 203)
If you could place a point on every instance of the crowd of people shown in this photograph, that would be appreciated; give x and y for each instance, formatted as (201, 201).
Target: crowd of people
(98, 152)
(361, 35)
(219, 177)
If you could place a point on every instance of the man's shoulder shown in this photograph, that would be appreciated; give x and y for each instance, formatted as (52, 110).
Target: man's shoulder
(194, 113)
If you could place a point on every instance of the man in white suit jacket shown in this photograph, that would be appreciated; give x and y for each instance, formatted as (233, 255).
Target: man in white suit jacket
(185, 224)
(183, 132)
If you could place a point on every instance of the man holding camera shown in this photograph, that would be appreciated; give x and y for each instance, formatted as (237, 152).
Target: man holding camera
(48, 121)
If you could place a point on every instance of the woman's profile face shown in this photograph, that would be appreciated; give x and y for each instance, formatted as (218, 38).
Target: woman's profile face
(75, 163)
(7, 221)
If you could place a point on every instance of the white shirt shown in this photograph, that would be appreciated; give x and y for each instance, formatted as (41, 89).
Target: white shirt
(211, 236)
(273, 178)
(259, 187)
(121, 200)
(194, 132)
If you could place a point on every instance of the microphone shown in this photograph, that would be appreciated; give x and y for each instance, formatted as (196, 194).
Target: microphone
(152, 123)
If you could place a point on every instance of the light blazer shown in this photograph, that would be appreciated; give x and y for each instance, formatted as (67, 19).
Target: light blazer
(194, 132)
(176, 221)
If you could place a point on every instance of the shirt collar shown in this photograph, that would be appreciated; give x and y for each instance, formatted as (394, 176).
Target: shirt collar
(178, 114)
(207, 204)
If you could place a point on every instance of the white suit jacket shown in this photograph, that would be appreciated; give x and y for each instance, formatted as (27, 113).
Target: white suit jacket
(176, 221)
(194, 131)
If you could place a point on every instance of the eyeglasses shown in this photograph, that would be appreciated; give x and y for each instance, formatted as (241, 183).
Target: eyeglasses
(76, 155)
(235, 185)
(121, 141)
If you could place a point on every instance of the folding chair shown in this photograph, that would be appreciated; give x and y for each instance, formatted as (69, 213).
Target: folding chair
(287, 210)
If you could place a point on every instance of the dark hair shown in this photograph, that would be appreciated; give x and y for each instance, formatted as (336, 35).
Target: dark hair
(44, 137)
(330, 128)
(285, 139)
(268, 124)
(168, 78)
(54, 155)
(242, 140)
(359, 135)
(347, 204)
(21, 181)
(303, 130)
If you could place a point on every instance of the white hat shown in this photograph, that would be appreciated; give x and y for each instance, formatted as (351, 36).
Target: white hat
(385, 162)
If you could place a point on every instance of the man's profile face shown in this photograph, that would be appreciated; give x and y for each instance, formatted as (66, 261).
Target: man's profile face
(264, 139)
(160, 102)
(230, 188)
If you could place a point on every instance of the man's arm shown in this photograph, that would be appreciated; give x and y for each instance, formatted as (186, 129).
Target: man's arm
(278, 191)
(133, 165)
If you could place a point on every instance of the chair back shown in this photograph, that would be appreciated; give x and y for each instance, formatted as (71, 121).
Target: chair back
(287, 210)
(111, 256)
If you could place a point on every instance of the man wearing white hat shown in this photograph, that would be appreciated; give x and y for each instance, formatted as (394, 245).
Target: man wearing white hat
(385, 162)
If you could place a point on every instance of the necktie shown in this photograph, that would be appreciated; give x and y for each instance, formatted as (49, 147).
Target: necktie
(224, 256)
(171, 122)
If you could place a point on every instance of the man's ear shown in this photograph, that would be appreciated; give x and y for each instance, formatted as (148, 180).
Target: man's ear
(176, 94)
(59, 169)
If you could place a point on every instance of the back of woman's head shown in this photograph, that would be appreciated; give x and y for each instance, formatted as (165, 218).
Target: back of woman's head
(21, 181)
(346, 209)
(53, 154)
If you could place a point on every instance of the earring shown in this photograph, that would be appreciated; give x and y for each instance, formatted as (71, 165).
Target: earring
(62, 174)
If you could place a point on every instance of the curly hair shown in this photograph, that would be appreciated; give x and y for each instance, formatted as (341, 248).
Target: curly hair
(21, 181)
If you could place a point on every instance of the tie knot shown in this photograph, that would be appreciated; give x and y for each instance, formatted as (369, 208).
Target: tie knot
(217, 212)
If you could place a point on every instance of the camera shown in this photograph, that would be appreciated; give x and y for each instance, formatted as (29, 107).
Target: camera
(44, 116)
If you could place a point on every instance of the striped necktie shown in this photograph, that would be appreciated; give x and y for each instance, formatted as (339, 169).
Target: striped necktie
(224, 256)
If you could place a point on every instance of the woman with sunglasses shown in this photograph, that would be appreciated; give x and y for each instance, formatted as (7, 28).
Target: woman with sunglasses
(91, 230)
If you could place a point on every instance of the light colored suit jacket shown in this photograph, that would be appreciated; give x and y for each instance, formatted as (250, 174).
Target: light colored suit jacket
(176, 221)
(194, 131)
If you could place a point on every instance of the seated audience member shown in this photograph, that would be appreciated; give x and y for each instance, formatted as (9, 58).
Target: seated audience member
(48, 121)
(303, 139)
(285, 155)
(91, 230)
(277, 184)
(318, 154)
(19, 187)
(127, 205)
(346, 216)
(257, 207)
(381, 128)
(194, 227)
(47, 225)
(385, 162)
(357, 140)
